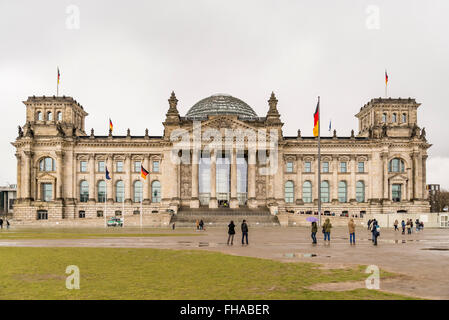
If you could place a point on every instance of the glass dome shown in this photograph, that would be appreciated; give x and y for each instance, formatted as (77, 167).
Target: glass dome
(218, 104)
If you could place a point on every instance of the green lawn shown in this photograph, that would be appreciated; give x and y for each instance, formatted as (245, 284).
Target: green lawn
(106, 273)
(86, 233)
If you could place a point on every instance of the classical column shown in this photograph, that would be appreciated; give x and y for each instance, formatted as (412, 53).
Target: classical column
(424, 194)
(92, 182)
(129, 182)
(19, 175)
(194, 200)
(110, 183)
(59, 174)
(252, 179)
(352, 182)
(147, 182)
(417, 174)
(27, 182)
(234, 203)
(213, 203)
(334, 183)
(299, 180)
(385, 175)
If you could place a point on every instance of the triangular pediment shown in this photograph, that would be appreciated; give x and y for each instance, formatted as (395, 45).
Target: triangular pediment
(399, 177)
(45, 176)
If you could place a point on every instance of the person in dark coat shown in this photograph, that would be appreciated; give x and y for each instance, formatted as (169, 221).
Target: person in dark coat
(375, 232)
(403, 226)
(201, 224)
(314, 231)
(369, 223)
(231, 232)
(244, 231)
(1, 223)
(7, 224)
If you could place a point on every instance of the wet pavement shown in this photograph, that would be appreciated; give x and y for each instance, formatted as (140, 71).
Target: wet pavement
(421, 258)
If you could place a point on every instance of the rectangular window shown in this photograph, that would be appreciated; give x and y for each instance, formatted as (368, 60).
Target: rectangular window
(361, 166)
(101, 166)
(47, 191)
(119, 166)
(343, 167)
(99, 214)
(307, 166)
(42, 215)
(396, 192)
(83, 166)
(289, 166)
(81, 214)
(325, 166)
(155, 166)
(137, 165)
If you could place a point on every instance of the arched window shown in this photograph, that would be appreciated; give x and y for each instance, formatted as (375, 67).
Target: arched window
(84, 191)
(396, 165)
(325, 191)
(59, 116)
(49, 116)
(39, 116)
(404, 118)
(307, 192)
(137, 191)
(289, 191)
(394, 118)
(384, 118)
(342, 191)
(360, 191)
(101, 191)
(120, 191)
(156, 191)
(47, 164)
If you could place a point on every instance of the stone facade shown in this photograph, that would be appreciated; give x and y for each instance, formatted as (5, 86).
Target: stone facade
(60, 168)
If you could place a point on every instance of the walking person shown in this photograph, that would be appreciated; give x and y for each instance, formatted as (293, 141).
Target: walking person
(369, 224)
(375, 232)
(7, 224)
(197, 224)
(351, 228)
(231, 232)
(411, 226)
(314, 231)
(403, 226)
(244, 232)
(396, 225)
(327, 230)
(201, 224)
(1, 223)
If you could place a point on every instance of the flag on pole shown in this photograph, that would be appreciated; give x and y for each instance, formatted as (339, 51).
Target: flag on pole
(386, 77)
(316, 120)
(107, 174)
(143, 172)
(59, 75)
(110, 125)
(330, 125)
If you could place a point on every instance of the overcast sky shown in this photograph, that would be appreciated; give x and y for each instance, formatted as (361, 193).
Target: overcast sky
(123, 60)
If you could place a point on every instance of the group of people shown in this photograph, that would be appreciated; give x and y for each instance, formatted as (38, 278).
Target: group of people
(231, 232)
(1, 223)
(200, 225)
(409, 226)
(374, 227)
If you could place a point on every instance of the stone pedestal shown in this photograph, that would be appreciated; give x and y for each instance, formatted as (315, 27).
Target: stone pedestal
(213, 203)
(252, 203)
(194, 203)
(234, 203)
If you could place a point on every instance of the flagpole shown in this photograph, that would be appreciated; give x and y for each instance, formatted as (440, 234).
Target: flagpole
(57, 83)
(123, 211)
(105, 198)
(141, 209)
(319, 164)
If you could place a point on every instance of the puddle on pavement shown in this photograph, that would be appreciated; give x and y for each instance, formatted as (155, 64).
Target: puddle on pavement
(203, 244)
(436, 249)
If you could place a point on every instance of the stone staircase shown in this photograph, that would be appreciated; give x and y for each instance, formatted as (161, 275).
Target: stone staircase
(186, 217)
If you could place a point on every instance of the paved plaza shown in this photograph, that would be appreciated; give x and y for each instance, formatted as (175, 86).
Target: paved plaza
(420, 259)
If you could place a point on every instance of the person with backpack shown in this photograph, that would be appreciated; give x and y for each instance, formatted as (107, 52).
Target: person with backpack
(244, 232)
(376, 232)
(314, 231)
(351, 228)
(403, 226)
(231, 232)
(327, 230)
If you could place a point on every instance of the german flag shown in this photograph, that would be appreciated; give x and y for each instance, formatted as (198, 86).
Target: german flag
(143, 172)
(316, 120)
(110, 125)
(386, 77)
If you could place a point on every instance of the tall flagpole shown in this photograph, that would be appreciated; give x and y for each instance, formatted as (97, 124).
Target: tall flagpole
(105, 198)
(319, 164)
(57, 83)
(141, 209)
(123, 211)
